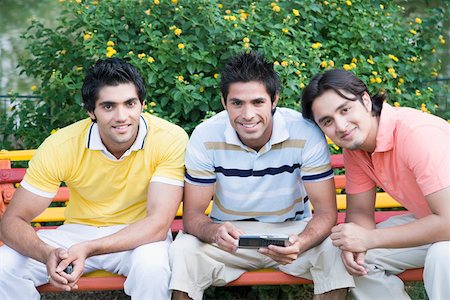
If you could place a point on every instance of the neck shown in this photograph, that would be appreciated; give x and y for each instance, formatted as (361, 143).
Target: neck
(371, 141)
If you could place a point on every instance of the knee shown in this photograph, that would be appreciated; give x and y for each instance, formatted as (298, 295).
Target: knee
(185, 245)
(11, 259)
(437, 253)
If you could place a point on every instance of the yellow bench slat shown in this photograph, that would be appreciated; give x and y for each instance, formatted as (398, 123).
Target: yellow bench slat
(16, 155)
(51, 214)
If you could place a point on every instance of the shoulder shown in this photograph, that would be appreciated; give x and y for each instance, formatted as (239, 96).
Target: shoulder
(298, 126)
(71, 135)
(158, 126)
(212, 128)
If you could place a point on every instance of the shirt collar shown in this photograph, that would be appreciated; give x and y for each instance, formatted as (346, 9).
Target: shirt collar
(94, 141)
(385, 131)
(279, 132)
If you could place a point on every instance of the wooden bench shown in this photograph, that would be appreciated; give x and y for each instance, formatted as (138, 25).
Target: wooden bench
(10, 176)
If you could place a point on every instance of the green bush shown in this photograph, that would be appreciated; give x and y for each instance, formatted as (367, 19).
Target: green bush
(180, 47)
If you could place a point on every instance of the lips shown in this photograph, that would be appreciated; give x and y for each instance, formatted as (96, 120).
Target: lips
(121, 128)
(347, 134)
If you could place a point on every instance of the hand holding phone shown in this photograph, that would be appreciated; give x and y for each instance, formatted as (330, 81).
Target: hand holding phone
(255, 241)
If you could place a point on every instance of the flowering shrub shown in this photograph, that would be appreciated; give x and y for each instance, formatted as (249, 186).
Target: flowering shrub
(180, 47)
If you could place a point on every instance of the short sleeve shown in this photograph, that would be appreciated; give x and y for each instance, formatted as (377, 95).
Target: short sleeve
(199, 163)
(357, 181)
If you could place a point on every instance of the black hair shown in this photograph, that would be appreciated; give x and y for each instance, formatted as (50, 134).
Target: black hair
(248, 67)
(339, 81)
(110, 72)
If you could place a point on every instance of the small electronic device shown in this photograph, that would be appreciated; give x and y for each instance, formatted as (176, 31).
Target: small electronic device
(69, 269)
(255, 241)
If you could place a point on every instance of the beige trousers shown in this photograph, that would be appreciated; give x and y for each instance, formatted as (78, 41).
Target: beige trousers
(197, 265)
(383, 264)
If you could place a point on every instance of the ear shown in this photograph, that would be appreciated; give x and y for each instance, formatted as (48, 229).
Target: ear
(223, 103)
(92, 115)
(367, 102)
(142, 106)
(275, 101)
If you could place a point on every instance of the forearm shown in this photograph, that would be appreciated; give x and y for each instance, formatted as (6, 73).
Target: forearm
(363, 218)
(200, 225)
(430, 229)
(26, 242)
(142, 232)
(317, 230)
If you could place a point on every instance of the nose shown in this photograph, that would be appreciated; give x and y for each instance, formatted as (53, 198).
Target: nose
(341, 124)
(248, 112)
(121, 114)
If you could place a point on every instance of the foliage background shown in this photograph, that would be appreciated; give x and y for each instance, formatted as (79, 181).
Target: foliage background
(180, 46)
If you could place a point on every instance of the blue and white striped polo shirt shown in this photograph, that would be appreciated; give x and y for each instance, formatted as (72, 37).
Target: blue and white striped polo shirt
(266, 185)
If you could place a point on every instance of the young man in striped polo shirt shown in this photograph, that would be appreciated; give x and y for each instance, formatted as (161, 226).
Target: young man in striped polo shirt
(263, 166)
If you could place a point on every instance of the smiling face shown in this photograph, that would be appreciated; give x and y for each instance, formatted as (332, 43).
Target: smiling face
(117, 112)
(250, 112)
(349, 124)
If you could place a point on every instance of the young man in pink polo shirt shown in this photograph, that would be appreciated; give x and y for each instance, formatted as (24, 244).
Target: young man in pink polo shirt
(405, 152)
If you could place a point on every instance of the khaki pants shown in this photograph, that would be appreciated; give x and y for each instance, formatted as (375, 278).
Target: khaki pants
(197, 265)
(383, 264)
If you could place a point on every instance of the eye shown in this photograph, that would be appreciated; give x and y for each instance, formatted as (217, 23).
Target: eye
(131, 103)
(326, 123)
(236, 102)
(107, 107)
(346, 109)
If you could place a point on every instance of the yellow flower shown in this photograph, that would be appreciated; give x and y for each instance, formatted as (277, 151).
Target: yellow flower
(173, 27)
(378, 80)
(151, 111)
(78, 1)
(147, 12)
(175, 1)
(33, 87)
(246, 45)
(87, 36)
(156, 2)
(372, 80)
(141, 55)
(316, 45)
(285, 30)
(110, 44)
(202, 89)
(353, 65)
(284, 63)
(152, 104)
(324, 64)
(276, 63)
(216, 75)
(434, 74)
(296, 12)
(180, 46)
(370, 61)
(228, 11)
(441, 40)
(347, 67)
(434, 50)
(418, 93)
(336, 147)
(401, 80)
(180, 78)
(110, 49)
(381, 6)
(246, 40)
(150, 59)
(63, 52)
(413, 31)
(348, 2)
(276, 8)
(178, 31)
(396, 104)
(354, 60)
(393, 57)
(398, 91)
(54, 131)
(331, 63)
(326, 2)
(79, 68)
(220, 5)
(413, 59)
(418, 20)
(375, 73)
(302, 85)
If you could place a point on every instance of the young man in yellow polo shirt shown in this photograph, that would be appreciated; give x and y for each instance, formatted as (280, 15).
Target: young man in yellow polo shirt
(124, 169)
(405, 152)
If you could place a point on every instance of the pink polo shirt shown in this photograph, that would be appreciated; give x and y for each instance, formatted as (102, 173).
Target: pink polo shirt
(411, 159)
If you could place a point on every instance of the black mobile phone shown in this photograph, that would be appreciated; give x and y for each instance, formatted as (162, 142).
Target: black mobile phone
(254, 241)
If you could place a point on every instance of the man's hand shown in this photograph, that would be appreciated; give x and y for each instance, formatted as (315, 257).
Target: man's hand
(283, 255)
(226, 236)
(354, 262)
(76, 256)
(351, 237)
(55, 276)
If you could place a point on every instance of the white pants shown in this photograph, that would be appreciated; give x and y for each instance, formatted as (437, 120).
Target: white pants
(197, 265)
(146, 267)
(384, 264)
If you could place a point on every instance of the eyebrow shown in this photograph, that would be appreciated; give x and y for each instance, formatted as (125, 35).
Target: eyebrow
(337, 108)
(256, 99)
(106, 102)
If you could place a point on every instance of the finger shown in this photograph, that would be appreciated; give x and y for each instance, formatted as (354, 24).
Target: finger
(351, 265)
(62, 253)
(337, 228)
